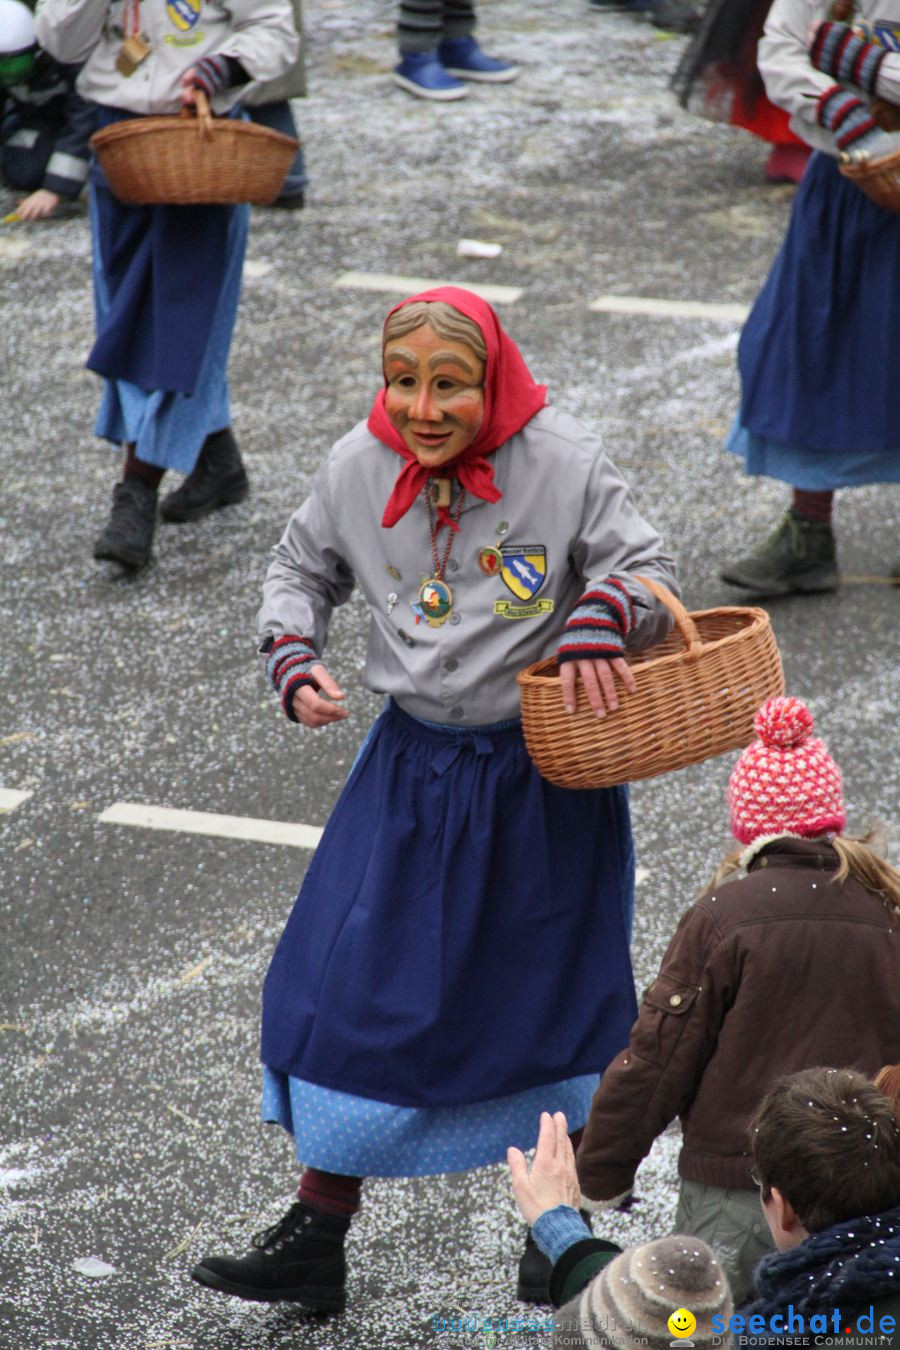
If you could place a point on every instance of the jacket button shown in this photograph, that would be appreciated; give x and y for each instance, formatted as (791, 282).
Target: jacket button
(451, 663)
(675, 1001)
(457, 713)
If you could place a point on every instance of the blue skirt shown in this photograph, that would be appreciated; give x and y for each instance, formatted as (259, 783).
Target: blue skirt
(818, 353)
(461, 935)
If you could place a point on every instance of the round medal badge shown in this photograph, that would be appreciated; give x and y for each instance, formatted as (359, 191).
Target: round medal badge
(436, 599)
(490, 560)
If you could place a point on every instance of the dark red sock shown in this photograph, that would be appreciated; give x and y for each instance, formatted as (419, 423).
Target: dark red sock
(151, 474)
(813, 505)
(330, 1192)
(576, 1137)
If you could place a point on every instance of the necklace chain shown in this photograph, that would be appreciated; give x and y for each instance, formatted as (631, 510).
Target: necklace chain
(441, 566)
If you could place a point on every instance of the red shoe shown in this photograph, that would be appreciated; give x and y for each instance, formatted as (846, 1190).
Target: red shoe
(786, 163)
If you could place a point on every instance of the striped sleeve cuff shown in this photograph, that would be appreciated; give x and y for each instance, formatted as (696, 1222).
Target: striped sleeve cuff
(212, 73)
(598, 625)
(290, 660)
(839, 52)
(846, 117)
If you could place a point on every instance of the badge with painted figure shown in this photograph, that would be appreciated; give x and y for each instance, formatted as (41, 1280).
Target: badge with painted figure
(435, 601)
(490, 560)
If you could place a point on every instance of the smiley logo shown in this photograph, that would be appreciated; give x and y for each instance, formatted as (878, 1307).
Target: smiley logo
(682, 1322)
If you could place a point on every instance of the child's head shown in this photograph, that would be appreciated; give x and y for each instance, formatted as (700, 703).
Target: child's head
(786, 781)
(18, 47)
(827, 1142)
(632, 1299)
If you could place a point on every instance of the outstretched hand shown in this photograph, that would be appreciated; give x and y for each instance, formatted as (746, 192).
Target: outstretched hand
(599, 685)
(552, 1179)
(39, 205)
(314, 711)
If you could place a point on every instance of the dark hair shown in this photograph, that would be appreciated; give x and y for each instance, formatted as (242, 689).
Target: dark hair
(830, 1141)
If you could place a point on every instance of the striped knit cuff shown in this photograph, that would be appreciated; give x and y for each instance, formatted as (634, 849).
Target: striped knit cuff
(598, 625)
(837, 51)
(287, 668)
(212, 73)
(847, 118)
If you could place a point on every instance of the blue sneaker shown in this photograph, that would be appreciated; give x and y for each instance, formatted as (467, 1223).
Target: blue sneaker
(422, 74)
(464, 58)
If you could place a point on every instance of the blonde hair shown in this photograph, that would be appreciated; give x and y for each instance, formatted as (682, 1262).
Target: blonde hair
(446, 321)
(858, 858)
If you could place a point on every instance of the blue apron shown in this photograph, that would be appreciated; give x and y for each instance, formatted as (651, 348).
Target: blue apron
(818, 354)
(462, 930)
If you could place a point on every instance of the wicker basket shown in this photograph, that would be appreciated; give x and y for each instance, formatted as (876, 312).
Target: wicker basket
(878, 179)
(188, 160)
(697, 693)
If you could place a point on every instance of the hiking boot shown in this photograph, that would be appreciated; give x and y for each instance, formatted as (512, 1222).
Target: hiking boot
(533, 1285)
(217, 479)
(127, 537)
(799, 555)
(300, 1259)
(422, 74)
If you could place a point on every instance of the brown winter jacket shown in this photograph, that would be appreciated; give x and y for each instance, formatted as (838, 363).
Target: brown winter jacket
(778, 971)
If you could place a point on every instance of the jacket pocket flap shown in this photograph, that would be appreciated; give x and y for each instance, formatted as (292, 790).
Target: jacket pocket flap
(671, 996)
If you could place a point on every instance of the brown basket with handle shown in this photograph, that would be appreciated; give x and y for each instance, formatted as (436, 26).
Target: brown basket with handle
(193, 159)
(697, 693)
(877, 178)
(880, 178)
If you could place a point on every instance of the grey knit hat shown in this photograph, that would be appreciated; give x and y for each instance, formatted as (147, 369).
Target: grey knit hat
(630, 1302)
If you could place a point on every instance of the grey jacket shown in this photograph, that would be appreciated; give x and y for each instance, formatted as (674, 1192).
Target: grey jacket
(794, 83)
(292, 84)
(258, 33)
(564, 504)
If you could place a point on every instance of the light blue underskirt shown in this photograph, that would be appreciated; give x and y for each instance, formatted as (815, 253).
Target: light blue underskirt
(355, 1136)
(814, 470)
(168, 429)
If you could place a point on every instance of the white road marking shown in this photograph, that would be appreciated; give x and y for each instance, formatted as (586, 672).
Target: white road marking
(668, 309)
(10, 798)
(386, 281)
(256, 267)
(210, 823)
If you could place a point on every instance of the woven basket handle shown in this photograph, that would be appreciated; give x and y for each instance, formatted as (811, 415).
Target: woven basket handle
(202, 112)
(683, 621)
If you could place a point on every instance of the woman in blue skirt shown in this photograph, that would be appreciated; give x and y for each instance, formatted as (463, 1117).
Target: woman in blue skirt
(167, 279)
(457, 958)
(819, 352)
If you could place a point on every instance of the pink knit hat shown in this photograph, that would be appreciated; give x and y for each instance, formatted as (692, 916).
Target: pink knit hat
(785, 782)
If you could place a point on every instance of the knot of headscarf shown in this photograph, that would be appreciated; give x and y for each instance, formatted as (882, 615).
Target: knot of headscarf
(511, 398)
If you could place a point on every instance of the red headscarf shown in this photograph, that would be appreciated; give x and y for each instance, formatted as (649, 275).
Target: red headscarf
(511, 398)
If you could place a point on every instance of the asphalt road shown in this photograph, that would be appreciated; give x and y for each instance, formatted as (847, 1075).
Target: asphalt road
(131, 960)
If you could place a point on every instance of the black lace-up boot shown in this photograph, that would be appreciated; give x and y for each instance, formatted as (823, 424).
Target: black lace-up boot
(127, 537)
(217, 479)
(300, 1259)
